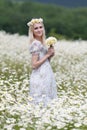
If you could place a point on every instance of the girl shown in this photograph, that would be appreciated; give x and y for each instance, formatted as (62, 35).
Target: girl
(42, 82)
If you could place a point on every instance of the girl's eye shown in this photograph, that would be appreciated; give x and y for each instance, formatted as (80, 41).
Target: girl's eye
(36, 28)
(40, 26)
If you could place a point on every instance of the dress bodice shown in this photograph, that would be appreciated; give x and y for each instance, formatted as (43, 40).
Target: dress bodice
(38, 48)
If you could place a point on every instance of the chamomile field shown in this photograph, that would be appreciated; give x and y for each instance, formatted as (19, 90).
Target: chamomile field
(68, 112)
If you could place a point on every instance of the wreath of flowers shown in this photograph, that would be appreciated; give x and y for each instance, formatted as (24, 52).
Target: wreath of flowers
(35, 20)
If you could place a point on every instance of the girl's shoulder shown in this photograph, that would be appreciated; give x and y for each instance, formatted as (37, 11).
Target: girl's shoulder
(35, 46)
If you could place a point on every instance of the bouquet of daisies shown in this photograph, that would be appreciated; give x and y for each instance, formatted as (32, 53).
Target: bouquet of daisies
(50, 41)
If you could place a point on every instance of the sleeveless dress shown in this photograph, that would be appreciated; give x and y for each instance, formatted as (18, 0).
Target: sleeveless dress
(42, 82)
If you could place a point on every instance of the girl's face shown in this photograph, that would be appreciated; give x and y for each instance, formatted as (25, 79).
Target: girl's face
(38, 30)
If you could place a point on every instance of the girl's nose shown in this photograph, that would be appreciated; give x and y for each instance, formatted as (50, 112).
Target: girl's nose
(39, 29)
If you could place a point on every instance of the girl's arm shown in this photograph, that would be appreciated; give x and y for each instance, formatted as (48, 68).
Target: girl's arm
(36, 63)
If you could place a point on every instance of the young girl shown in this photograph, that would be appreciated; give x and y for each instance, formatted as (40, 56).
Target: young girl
(42, 82)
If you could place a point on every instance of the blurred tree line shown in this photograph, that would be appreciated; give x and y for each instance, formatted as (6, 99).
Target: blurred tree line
(70, 23)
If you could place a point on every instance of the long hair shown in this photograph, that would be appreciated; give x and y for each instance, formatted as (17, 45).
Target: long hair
(31, 35)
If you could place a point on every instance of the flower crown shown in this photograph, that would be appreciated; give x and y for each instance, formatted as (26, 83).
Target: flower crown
(35, 20)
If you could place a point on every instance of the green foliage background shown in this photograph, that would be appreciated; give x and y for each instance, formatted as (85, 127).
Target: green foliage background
(70, 23)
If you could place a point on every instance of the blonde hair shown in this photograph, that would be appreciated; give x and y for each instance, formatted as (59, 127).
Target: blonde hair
(30, 31)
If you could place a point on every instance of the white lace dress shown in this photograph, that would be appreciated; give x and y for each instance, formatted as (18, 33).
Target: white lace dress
(42, 81)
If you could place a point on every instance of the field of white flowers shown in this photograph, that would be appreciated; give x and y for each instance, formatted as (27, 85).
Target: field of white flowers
(69, 64)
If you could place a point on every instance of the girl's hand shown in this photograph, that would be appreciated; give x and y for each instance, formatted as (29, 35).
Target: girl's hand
(51, 52)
